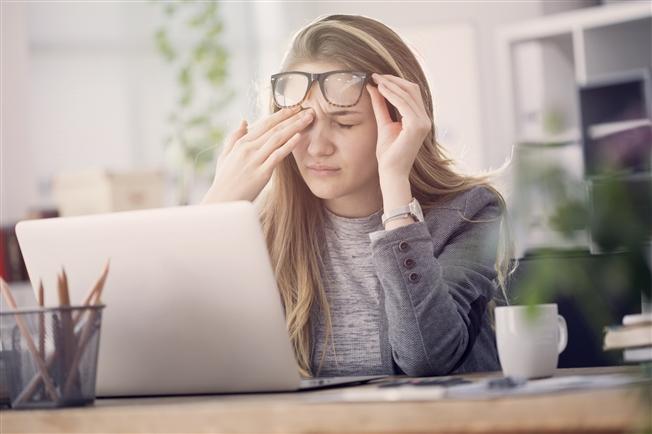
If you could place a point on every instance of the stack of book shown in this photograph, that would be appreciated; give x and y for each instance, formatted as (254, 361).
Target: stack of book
(12, 267)
(634, 337)
(622, 145)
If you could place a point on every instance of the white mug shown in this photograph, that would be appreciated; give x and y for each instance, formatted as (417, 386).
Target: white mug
(529, 342)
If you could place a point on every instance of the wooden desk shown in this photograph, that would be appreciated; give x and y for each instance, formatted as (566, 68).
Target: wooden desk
(604, 411)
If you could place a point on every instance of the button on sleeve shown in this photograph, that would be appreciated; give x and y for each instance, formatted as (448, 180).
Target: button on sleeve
(409, 263)
(403, 246)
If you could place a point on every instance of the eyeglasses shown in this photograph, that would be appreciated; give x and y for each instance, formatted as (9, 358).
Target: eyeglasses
(340, 88)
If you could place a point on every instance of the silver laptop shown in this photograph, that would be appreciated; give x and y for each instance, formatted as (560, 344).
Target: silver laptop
(191, 299)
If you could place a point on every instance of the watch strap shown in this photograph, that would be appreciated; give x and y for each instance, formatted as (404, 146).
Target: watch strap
(402, 212)
(398, 216)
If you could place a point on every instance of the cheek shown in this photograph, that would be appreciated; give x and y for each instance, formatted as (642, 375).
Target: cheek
(364, 137)
(361, 149)
(298, 153)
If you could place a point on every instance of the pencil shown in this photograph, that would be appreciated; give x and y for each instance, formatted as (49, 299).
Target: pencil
(87, 331)
(24, 330)
(34, 382)
(41, 319)
(69, 338)
(98, 284)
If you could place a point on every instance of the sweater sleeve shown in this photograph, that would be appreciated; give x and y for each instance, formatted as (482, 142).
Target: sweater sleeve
(437, 278)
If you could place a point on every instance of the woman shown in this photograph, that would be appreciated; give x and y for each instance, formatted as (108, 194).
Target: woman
(369, 284)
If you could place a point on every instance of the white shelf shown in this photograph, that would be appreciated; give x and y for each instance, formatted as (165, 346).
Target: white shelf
(564, 137)
(543, 85)
(586, 18)
(598, 131)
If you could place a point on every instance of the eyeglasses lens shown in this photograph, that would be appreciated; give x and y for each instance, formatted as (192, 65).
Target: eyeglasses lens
(290, 89)
(343, 88)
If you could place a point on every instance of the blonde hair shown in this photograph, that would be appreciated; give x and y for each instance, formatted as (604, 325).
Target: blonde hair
(292, 216)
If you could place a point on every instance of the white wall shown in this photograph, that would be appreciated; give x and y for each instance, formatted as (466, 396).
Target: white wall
(17, 191)
(449, 55)
(85, 87)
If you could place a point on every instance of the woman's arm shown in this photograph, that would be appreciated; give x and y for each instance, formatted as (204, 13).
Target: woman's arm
(437, 280)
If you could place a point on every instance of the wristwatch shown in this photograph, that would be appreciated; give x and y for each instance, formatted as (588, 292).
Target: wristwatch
(413, 209)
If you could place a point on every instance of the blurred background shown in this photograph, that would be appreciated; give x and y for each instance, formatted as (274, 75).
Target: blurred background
(109, 106)
(86, 85)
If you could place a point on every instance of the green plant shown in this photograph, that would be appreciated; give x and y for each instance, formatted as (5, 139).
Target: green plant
(620, 229)
(201, 68)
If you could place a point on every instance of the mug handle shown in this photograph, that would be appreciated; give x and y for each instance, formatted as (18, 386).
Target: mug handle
(563, 334)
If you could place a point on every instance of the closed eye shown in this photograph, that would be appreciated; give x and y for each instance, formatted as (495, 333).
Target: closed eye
(345, 126)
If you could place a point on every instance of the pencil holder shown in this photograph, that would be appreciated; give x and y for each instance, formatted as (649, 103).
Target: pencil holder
(50, 355)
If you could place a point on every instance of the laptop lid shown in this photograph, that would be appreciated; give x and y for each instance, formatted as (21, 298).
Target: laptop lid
(191, 299)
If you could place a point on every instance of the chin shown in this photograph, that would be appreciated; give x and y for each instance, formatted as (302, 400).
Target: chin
(325, 192)
(322, 188)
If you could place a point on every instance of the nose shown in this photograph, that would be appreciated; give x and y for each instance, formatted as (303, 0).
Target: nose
(319, 143)
(318, 131)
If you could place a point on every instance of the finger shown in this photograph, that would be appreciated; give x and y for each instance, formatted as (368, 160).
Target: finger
(287, 123)
(412, 88)
(379, 105)
(304, 115)
(263, 125)
(397, 101)
(408, 98)
(234, 137)
(280, 153)
(277, 138)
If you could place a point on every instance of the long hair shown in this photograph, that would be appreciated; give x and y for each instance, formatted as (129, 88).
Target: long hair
(292, 216)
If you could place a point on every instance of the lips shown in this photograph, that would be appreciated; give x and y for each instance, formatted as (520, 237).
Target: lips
(322, 170)
(322, 167)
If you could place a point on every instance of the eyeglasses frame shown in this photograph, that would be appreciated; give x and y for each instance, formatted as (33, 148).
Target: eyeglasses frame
(318, 77)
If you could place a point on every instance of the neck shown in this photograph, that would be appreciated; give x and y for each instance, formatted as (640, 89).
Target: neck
(354, 205)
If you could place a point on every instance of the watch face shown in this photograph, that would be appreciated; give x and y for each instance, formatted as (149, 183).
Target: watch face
(415, 208)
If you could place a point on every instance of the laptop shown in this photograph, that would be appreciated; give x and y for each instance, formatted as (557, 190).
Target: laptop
(191, 300)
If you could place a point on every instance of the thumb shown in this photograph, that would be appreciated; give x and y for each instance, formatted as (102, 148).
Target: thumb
(379, 106)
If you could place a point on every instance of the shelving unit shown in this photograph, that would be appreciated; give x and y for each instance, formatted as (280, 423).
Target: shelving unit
(568, 80)
(544, 61)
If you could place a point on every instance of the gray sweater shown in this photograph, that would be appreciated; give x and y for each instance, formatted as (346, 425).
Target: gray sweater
(413, 299)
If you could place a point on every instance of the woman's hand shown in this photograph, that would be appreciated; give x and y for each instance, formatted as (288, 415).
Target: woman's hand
(398, 142)
(248, 157)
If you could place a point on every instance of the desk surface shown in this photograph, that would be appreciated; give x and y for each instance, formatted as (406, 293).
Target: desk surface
(612, 410)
